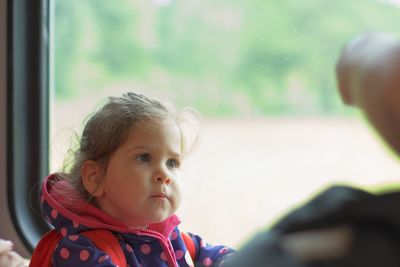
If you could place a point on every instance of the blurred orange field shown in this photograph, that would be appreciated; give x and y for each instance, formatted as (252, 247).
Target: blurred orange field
(248, 172)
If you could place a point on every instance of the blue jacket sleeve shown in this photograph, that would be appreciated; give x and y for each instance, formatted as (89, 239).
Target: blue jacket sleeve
(209, 255)
(79, 251)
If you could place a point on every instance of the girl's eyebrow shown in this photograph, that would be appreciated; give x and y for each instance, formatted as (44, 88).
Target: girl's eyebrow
(176, 154)
(136, 148)
(173, 153)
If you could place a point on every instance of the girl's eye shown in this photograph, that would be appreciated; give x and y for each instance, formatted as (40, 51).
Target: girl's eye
(172, 163)
(144, 157)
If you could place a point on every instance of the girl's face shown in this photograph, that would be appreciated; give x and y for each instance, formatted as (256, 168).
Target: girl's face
(142, 182)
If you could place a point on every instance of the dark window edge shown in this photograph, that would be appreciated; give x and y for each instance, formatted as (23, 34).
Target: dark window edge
(27, 114)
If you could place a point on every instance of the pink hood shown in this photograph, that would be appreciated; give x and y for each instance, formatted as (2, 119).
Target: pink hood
(70, 214)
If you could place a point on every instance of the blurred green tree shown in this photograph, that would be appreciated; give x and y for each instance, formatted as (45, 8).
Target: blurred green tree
(255, 57)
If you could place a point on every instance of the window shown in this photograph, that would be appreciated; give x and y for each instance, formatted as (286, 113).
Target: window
(261, 74)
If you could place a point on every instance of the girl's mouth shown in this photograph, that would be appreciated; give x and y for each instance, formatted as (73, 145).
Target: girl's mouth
(159, 196)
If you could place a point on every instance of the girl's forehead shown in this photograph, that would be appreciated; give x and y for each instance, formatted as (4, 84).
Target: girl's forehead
(154, 125)
(163, 133)
(166, 130)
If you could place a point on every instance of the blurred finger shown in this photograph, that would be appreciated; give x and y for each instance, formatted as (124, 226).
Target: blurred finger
(5, 246)
(16, 259)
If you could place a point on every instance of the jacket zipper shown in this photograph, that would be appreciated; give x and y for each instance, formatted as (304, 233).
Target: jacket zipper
(165, 243)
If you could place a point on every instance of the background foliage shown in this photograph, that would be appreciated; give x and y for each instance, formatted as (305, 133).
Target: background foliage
(225, 58)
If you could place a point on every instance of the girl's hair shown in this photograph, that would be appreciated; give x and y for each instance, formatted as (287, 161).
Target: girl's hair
(108, 128)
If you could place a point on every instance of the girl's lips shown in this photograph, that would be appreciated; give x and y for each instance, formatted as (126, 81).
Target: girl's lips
(159, 196)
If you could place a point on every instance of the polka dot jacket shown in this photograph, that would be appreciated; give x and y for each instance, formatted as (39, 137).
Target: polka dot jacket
(159, 245)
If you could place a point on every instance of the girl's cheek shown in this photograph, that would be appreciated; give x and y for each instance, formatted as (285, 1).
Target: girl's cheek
(177, 188)
(178, 182)
(177, 198)
(179, 192)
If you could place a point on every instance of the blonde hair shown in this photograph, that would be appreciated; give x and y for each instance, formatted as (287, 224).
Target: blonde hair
(107, 129)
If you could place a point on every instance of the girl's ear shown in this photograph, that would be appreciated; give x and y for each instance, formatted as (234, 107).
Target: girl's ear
(91, 178)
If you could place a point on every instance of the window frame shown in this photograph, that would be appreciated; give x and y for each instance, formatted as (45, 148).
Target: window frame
(28, 35)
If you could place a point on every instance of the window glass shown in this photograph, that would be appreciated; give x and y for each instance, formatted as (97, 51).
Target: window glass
(261, 73)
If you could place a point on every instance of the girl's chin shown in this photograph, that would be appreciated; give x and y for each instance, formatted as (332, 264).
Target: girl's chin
(141, 226)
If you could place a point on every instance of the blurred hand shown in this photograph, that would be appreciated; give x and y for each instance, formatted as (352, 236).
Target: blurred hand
(9, 258)
(368, 76)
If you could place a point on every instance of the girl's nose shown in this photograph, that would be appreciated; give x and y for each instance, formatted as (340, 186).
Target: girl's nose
(163, 178)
